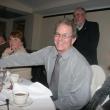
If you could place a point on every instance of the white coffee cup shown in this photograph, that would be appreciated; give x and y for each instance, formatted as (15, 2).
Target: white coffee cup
(20, 97)
(14, 78)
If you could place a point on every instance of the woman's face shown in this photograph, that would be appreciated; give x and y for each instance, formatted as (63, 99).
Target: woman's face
(15, 43)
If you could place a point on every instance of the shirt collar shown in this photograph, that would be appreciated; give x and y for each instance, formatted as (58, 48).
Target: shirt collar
(67, 53)
(80, 27)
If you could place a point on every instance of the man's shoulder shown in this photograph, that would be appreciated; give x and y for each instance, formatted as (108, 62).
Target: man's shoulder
(92, 23)
(48, 49)
(79, 57)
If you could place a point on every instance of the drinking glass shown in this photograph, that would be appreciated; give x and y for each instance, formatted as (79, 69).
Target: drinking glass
(1, 85)
(2, 77)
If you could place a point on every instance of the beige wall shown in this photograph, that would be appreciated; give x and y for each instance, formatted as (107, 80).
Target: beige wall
(103, 18)
(48, 26)
(37, 33)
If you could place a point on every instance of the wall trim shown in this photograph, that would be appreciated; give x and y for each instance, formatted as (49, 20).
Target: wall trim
(64, 14)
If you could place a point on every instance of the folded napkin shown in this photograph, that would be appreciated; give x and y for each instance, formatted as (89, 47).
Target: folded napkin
(36, 90)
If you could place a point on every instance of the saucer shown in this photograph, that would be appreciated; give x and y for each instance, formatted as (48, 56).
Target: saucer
(11, 108)
(29, 102)
(2, 102)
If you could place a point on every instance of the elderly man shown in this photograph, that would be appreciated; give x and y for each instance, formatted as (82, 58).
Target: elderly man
(71, 88)
(87, 35)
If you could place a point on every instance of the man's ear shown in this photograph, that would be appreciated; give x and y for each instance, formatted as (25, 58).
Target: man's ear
(73, 40)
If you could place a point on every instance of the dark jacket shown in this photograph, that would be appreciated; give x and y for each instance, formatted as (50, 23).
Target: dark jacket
(2, 48)
(87, 41)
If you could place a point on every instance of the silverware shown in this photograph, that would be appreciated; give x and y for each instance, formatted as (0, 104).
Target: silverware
(7, 103)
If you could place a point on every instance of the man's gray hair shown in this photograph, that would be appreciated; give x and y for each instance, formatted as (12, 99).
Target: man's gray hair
(80, 8)
(68, 23)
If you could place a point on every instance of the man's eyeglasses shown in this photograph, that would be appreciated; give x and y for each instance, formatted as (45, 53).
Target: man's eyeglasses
(64, 36)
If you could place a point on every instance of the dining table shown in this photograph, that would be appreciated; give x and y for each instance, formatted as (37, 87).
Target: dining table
(39, 97)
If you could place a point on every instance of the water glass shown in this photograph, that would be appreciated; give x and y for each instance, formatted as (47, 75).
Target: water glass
(2, 77)
(1, 86)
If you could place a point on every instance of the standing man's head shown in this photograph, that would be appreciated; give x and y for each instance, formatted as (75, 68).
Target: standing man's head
(65, 35)
(2, 39)
(79, 16)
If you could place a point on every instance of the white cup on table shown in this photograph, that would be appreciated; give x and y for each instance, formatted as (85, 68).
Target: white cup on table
(20, 97)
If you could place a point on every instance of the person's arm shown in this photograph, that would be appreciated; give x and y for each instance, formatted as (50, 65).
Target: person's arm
(8, 51)
(21, 59)
(25, 59)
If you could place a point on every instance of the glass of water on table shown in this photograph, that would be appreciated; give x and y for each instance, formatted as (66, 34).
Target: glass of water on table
(3, 75)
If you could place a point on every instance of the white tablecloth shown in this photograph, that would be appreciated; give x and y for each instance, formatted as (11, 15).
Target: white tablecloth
(40, 103)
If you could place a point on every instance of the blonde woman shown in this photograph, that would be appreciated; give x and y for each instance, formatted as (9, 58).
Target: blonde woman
(16, 47)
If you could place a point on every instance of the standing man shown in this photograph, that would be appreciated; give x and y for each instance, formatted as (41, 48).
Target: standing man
(87, 36)
(71, 88)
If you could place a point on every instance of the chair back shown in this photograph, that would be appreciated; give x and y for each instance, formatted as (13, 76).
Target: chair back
(98, 78)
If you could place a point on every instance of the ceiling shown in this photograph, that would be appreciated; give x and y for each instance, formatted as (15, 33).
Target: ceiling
(15, 8)
(7, 13)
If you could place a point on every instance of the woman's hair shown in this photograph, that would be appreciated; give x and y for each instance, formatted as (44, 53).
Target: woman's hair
(68, 23)
(17, 34)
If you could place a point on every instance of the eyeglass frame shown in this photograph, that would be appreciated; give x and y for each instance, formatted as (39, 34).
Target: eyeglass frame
(64, 35)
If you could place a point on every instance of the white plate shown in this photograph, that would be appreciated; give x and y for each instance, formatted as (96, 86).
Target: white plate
(29, 102)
